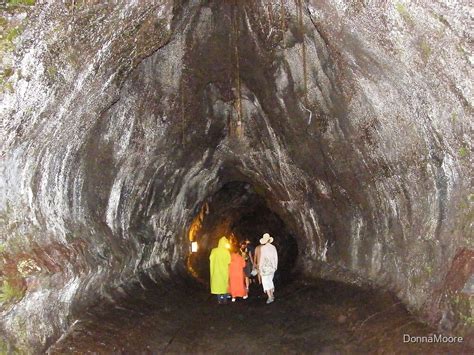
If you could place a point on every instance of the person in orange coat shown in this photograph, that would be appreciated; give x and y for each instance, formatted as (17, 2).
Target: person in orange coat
(237, 277)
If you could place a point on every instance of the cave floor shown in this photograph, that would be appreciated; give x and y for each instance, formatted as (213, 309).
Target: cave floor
(307, 317)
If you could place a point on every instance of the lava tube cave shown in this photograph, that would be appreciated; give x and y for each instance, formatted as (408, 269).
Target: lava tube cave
(135, 134)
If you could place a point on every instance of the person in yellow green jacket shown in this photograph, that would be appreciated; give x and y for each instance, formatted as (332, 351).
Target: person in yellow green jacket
(219, 269)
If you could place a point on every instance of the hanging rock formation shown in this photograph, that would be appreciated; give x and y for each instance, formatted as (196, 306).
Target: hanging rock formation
(120, 120)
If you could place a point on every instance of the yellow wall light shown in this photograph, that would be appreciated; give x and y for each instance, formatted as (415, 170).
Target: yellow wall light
(194, 247)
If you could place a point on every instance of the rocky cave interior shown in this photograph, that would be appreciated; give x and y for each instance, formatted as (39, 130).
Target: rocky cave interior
(240, 213)
(131, 129)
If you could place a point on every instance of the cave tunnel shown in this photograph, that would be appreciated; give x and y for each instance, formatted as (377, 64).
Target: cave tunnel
(240, 213)
(132, 129)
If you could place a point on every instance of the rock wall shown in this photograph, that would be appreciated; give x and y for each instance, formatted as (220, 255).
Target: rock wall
(118, 120)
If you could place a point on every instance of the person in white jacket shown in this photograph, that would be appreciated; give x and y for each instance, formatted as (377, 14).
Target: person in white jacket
(267, 265)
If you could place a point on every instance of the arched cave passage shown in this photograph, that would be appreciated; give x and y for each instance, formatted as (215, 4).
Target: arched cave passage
(341, 127)
(237, 211)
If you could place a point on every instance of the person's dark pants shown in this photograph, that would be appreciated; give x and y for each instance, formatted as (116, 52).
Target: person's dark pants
(222, 298)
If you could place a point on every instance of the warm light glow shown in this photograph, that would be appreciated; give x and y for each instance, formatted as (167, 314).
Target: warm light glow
(227, 246)
(194, 247)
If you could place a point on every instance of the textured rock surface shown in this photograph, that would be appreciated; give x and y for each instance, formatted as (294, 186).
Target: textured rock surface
(118, 121)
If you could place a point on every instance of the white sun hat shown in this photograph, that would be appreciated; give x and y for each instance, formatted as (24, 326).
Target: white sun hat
(266, 239)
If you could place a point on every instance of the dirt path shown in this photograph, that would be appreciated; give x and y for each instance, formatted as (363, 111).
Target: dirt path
(318, 317)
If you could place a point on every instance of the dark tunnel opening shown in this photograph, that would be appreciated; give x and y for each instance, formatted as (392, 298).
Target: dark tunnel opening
(239, 212)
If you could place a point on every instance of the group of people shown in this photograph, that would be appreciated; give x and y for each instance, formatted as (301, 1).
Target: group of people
(231, 272)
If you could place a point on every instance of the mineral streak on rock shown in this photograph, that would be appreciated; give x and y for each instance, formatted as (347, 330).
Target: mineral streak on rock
(119, 119)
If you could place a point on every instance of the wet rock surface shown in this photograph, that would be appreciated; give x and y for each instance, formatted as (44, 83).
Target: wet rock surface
(119, 121)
